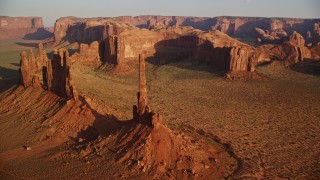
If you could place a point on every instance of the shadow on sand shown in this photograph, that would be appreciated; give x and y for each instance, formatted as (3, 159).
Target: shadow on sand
(31, 45)
(186, 53)
(308, 66)
(40, 34)
(8, 78)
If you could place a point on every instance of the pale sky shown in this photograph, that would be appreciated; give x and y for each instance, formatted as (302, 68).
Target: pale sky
(51, 10)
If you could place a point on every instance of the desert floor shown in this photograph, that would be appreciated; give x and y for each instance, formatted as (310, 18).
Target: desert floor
(272, 125)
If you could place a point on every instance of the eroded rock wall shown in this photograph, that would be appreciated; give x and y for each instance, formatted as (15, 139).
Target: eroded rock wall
(88, 55)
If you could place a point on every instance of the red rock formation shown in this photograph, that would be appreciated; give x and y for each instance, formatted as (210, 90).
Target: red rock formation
(110, 51)
(96, 29)
(276, 37)
(58, 78)
(239, 59)
(86, 30)
(25, 70)
(88, 55)
(142, 95)
(18, 26)
(42, 57)
(296, 39)
(293, 51)
(55, 73)
(178, 43)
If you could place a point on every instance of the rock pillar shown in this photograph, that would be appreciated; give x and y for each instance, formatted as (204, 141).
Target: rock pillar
(142, 95)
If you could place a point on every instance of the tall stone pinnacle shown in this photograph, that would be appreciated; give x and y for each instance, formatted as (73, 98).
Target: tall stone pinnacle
(142, 99)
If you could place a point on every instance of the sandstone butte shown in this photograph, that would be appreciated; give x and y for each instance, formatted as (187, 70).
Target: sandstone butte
(19, 26)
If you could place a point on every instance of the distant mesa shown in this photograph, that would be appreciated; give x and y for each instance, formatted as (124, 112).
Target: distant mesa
(31, 27)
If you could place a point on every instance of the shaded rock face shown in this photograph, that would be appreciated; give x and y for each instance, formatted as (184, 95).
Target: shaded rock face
(96, 29)
(19, 26)
(55, 73)
(58, 78)
(89, 54)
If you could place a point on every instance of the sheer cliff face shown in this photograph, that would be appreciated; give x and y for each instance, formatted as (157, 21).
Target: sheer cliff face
(18, 26)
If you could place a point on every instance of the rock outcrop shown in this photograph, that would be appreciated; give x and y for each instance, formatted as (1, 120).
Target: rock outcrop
(276, 29)
(241, 59)
(19, 26)
(55, 74)
(27, 69)
(86, 30)
(88, 55)
(296, 39)
(179, 43)
(277, 37)
(292, 51)
(58, 78)
(142, 113)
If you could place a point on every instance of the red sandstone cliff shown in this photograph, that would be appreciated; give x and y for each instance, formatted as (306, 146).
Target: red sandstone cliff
(19, 26)
(275, 30)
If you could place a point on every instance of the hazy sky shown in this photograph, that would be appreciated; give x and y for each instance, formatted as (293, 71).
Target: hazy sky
(51, 10)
